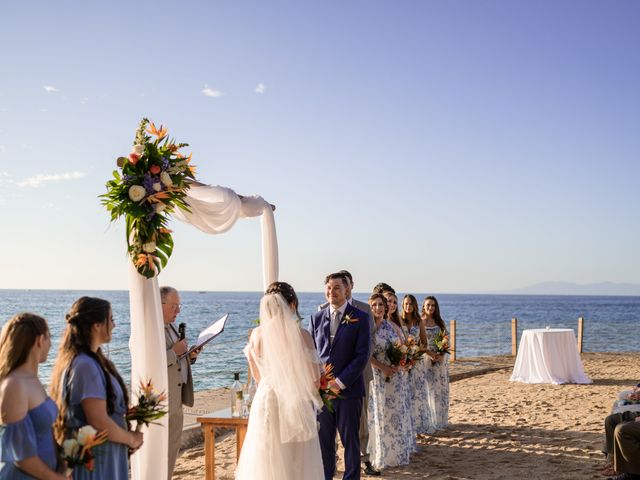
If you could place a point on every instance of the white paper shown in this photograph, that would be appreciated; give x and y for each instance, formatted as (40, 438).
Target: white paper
(209, 333)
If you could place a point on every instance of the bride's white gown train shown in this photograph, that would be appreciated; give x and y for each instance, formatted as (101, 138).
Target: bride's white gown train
(264, 456)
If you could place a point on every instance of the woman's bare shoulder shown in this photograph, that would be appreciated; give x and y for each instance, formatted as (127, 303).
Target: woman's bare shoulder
(13, 399)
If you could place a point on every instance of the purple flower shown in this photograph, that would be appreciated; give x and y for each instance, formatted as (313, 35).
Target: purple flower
(147, 183)
(128, 179)
(165, 163)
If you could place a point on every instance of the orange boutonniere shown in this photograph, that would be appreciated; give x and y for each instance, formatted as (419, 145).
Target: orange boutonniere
(348, 319)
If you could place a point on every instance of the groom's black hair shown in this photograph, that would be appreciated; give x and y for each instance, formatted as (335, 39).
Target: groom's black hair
(338, 275)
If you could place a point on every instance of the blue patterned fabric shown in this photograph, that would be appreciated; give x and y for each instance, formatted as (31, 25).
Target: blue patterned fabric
(29, 437)
(87, 380)
(437, 375)
(418, 387)
(391, 439)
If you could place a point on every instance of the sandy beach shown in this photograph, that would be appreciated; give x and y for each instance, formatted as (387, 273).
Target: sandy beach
(498, 429)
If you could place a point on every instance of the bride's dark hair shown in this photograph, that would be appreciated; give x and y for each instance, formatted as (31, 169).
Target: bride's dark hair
(287, 292)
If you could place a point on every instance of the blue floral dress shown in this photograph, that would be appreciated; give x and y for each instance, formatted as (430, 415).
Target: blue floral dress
(438, 386)
(29, 437)
(86, 379)
(419, 390)
(391, 438)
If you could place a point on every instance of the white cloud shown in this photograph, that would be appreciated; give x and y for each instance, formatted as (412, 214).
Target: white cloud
(260, 88)
(42, 178)
(50, 89)
(2, 150)
(210, 92)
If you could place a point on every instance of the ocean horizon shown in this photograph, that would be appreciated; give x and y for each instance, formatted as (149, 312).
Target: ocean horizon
(483, 322)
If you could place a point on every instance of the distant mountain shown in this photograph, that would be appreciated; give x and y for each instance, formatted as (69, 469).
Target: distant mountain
(567, 288)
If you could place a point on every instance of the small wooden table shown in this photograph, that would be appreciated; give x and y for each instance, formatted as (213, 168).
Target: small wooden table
(220, 419)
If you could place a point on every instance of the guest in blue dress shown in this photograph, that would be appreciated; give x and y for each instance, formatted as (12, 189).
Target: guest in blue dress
(89, 390)
(391, 439)
(418, 374)
(27, 446)
(437, 367)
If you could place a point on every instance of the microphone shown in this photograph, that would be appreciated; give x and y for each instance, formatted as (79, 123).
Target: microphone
(182, 330)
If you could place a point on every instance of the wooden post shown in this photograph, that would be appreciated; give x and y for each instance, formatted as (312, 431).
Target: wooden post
(580, 332)
(452, 341)
(514, 336)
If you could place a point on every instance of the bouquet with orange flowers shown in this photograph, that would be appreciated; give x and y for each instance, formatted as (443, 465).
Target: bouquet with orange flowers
(441, 342)
(152, 183)
(77, 451)
(397, 355)
(149, 407)
(414, 351)
(326, 394)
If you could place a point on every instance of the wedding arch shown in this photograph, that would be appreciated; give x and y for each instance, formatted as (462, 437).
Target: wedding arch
(154, 181)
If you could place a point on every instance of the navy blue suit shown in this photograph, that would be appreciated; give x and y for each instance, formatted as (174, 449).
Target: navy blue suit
(349, 354)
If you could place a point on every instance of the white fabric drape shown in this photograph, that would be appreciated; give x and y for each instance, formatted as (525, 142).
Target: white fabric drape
(148, 361)
(214, 210)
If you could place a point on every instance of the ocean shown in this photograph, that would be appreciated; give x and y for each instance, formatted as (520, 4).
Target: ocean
(483, 323)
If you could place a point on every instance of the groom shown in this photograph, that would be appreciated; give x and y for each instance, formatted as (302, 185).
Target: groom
(342, 336)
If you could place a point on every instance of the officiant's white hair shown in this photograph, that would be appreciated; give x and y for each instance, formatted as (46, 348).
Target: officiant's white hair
(289, 367)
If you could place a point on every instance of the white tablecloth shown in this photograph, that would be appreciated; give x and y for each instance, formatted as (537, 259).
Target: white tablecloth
(548, 356)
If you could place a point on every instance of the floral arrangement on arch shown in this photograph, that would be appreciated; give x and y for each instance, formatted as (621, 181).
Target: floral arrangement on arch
(151, 183)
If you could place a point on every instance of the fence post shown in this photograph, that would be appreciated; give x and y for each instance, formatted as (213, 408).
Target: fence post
(514, 336)
(452, 338)
(580, 332)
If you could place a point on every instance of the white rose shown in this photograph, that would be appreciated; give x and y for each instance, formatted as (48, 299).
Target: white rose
(157, 187)
(71, 447)
(138, 149)
(160, 207)
(149, 247)
(166, 179)
(85, 433)
(137, 193)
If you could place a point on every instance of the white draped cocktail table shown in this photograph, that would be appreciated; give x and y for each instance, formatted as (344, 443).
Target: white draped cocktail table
(548, 355)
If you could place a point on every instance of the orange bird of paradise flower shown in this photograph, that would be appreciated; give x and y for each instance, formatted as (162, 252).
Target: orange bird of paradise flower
(158, 133)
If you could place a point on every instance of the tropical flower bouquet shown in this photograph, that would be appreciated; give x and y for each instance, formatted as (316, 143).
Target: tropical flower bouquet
(414, 351)
(149, 407)
(326, 394)
(397, 355)
(441, 341)
(151, 183)
(77, 451)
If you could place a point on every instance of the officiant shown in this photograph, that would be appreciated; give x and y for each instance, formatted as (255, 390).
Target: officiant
(179, 371)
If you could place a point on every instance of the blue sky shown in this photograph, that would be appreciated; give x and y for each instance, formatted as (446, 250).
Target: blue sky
(438, 146)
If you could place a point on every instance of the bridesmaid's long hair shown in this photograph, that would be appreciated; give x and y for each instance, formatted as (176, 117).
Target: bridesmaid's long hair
(414, 317)
(84, 313)
(18, 337)
(436, 314)
(395, 316)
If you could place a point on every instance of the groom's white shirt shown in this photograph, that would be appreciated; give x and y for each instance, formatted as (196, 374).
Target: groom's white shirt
(332, 311)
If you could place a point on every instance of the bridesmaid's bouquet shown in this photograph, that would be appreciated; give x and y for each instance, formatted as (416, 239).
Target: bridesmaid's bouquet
(441, 341)
(397, 355)
(149, 407)
(414, 351)
(77, 451)
(326, 394)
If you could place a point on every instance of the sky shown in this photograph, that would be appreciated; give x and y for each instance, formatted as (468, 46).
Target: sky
(439, 146)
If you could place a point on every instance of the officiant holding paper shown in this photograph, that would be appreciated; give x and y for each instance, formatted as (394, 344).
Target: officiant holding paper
(179, 371)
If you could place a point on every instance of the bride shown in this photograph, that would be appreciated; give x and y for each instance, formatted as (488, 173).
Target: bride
(282, 436)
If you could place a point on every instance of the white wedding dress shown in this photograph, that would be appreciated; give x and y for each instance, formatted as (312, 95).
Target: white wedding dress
(282, 436)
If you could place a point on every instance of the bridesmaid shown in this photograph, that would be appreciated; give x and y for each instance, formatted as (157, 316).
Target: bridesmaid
(89, 390)
(437, 367)
(27, 447)
(418, 374)
(390, 434)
